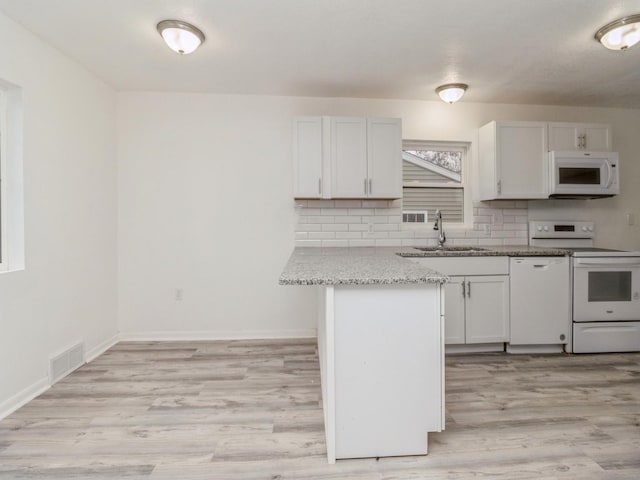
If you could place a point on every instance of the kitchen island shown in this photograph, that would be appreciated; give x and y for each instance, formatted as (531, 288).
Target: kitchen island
(381, 348)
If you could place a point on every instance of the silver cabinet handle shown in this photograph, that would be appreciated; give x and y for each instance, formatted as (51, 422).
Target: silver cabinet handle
(582, 141)
(499, 186)
(365, 186)
(320, 186)
(469, 288)
(464, 290)
(370, 187)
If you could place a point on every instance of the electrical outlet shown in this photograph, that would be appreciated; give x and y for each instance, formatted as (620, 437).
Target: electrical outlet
(371, 228)
(631, 219)
(179, 294)
(486, 228)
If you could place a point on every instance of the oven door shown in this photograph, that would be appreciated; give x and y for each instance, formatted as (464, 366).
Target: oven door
(606, 289)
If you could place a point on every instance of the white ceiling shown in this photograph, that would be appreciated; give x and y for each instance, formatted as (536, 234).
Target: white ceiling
(508, 51)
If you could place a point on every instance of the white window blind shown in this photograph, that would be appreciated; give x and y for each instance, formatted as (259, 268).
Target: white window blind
(450, 201)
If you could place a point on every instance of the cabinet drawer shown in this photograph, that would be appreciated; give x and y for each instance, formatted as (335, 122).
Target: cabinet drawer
(466, 265)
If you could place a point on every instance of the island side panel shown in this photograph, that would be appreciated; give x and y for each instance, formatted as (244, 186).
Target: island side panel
(388, 369)
(441, 296)
(327, 365)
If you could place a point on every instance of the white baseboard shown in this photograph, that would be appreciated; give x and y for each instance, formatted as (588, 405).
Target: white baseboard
(101, 348)
(21, 398)
(196, 335)
(534, 349)
(474, 348)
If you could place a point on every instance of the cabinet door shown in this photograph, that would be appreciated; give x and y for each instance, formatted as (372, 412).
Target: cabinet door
(580, 136)
(564, 136)
(349, 157)
(521, 160)
(307, 157)
(597, 138)
(384, 155)
(487, 313)
(454, 311)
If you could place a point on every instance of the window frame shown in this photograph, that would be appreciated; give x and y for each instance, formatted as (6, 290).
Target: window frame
(4, 264)
(12, 247)
(465, 183)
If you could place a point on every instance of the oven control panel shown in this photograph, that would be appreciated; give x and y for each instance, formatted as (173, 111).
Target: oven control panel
(561, 229)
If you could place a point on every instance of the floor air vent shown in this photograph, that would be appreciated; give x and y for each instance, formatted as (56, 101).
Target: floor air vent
(66, 362)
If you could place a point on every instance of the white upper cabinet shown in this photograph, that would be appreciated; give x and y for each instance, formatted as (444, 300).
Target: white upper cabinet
(347, 157)
(580, 136)
(384, 157)
(513, 160)
(349, 177)
(307, 156)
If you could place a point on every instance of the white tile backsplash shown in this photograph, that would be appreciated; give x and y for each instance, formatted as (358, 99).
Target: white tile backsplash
(360, 223)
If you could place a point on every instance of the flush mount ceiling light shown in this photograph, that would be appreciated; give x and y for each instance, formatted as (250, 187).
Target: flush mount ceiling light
(181, 37)
(451, 92)
(621, 34)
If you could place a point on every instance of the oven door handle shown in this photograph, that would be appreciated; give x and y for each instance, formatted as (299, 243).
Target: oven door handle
(607, 262)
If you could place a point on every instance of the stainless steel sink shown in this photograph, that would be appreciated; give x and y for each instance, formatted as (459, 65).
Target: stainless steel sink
(450, 249)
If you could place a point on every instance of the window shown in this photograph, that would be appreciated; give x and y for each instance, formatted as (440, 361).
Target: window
(3, 121)
(11, 179)
(433, 176)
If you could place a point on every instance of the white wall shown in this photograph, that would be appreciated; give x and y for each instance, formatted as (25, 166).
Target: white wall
(205, 202)
(67, 292)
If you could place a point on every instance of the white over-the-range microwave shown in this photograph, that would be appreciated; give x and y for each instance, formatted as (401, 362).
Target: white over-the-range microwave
(583, 174)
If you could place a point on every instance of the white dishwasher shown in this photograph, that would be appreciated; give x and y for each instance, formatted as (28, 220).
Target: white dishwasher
(540, 306)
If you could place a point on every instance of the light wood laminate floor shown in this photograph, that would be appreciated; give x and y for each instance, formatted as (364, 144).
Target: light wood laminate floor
(238, 410)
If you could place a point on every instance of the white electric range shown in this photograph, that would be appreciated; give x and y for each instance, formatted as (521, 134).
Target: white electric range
(605, 287)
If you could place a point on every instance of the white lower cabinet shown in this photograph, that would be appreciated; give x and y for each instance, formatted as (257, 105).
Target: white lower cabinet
(476, 298)
(454, 308)
(477, 309)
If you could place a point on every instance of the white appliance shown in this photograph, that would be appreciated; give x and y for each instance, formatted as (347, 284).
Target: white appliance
(583, 174)
(540, 304)
(605, 287)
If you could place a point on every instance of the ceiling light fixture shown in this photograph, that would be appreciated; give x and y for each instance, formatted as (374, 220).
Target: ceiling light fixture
(621, 34)
(451, 92)
(181, 37)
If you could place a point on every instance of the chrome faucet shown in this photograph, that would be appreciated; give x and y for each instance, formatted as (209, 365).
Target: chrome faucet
(438, 226)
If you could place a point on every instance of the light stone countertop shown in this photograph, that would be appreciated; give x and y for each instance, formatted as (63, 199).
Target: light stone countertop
(381, 265)
(354, 266)
(487, 251)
